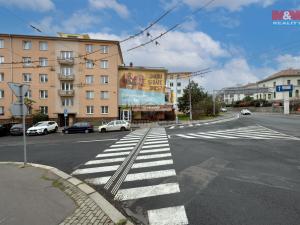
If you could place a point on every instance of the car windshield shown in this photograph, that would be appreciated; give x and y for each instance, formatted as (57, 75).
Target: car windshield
(17, 126)
(39, 124)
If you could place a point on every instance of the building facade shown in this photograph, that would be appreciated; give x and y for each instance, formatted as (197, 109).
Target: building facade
(69, 72)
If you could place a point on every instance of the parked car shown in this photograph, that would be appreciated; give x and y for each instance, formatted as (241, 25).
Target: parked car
(223, 109)
(4, 128)
(81, 127)
(245, 112)
(115, 125)
(17, 129)
(43, 127)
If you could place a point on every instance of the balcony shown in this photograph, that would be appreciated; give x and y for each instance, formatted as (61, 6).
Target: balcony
(65, 61)
(63, 93)
(66, 77)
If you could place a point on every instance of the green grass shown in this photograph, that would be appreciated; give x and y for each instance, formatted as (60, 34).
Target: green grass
(183, 117)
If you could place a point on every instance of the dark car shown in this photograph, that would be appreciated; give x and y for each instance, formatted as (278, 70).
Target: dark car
(17, 129)
(81, 127)
(4, 128)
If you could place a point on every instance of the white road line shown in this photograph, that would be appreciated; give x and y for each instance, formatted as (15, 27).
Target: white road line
(101, 161)
(184, 136)
(112, 154)
(127, 141)
(97, 180)
(217, 135)
(191, 125)
(130, 139)
(264, 135)
(95, 170)
(147, 191)
(123, 145)
(172, 127)
(97, 140)
(248, 136)
(154, 156)
(157, 138)
(168, 216)
(150, 175)
(181, 126)
(118, 149)
(155, 150)
(155, 146)
(152, 164)
(201, 136)
(155, 142)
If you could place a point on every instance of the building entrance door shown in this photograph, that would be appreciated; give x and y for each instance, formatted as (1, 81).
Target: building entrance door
(126, 114)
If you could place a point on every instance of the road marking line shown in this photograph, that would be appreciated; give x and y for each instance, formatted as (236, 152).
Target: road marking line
(184, 136)
(168, 216)
(155, 142)
(155, 150)
(155, 146)
(97, 140)
(172, 127)
(154, 156)
(112, 154)
(118, 149)
(127, 141)
(152, 163)
(97, 180)
(150, 175)
(101, 161)
(218, 135)
(191, 125)
(123, 145)
(201, 136)
(157, 139)
(95, 170)
(181, 126)
(147, 191)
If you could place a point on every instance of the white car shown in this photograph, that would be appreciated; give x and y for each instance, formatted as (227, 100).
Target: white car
(223, 110)
(43, 127)
(114, 126)
(245, 112)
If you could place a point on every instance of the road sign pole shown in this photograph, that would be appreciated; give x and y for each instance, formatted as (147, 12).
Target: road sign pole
(24, 127)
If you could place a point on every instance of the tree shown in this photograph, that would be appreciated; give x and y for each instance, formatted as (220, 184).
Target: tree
(38, 116)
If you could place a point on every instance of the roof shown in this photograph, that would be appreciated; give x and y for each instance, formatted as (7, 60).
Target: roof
(143, 68)
(283, 73)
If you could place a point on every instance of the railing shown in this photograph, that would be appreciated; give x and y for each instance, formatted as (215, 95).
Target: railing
(64, 93)
(65, 77)
(68, 61)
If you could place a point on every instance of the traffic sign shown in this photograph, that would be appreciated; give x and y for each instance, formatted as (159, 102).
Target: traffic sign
(19, 89)
(65, 112)
(283, 88)
(16, 109)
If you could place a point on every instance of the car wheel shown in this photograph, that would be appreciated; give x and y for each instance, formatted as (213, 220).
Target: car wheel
(103, 130)
(86, 131)
(45, 132)
(123, 129)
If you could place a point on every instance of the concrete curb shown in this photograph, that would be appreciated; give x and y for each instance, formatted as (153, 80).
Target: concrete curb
(114, 214)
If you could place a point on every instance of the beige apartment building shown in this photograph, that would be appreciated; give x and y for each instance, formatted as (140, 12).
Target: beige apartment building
(68, 72)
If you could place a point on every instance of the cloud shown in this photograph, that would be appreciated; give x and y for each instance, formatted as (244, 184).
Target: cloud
(110, 4)
(288, 61)
(36, 5)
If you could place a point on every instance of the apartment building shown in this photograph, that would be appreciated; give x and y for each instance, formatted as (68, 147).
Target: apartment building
(68, 72)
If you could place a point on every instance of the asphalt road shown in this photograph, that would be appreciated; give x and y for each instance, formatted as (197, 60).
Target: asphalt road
(244, 171)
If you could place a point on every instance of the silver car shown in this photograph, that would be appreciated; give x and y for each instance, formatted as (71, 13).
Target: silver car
(115, 125)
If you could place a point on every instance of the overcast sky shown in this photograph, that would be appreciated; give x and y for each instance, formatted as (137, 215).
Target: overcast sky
(234, 38)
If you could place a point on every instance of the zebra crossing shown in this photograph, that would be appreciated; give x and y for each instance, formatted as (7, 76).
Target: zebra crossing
(251, 132)
(138, 167)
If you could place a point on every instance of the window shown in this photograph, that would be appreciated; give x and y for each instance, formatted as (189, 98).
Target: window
(298, 82)
(171, 84)
(43, 78)
(90, 94)
(89, 48)
(178, 84)
(104, 79)
(264, 85)
(1, 93)
(1, 77)
(67, 101)
(28, 94)
(1, 110)
(269, 96)
(27, 77)
(89, 79)
(89, 64)
(104, 49)
(90, 109)
(290, 94)
(104, 109)
(66, 55)
(104, 64)
(179, 92)
(104, 95)
(43, 62)
(65, 86)
(274, 84)
(26, 61)
(297, 93)
(43, 45)
(44, 110)
(1, 43)
(43, 94)
(66, 71)
(274, 94)
(1, 59)
(288, 82)
(26, 45)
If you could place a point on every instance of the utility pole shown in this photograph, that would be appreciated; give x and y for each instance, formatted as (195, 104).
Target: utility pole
(214, 103)
(190, 99)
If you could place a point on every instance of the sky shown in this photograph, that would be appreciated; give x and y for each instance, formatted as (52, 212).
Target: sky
(234, 38)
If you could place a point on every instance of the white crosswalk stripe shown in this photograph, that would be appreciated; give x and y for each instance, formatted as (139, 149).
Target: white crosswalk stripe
(162, 216)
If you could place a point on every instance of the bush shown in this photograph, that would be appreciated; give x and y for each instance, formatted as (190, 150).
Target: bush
(38, 116)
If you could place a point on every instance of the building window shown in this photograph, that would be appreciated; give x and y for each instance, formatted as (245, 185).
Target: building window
(274, 95)
(1, 77)
(89, 64)
(104, 95)
(171, 84)
(43, 78)
(178, 92)
(104, 109)
(27, 77)
(104, 79)
(297, 93)
(178, 84)
(90, 94)
(1, 43)
(298, 82)
(1, 93)
(43, 94)
(43, 62)
(274, 84)
(26, 45)
(89, 79)
(27, 61)
(66, 71)
(104, 49)
(1, 59)
(264, 85)
(104, 64)
(28, 94)
(66, 55)
(290, 94)
(43, 45)
(44, 110)
(288, 82)
(89, 48)
(269, 96)
(90, 109)
(65, 86)
(1, 110)
(67, 102)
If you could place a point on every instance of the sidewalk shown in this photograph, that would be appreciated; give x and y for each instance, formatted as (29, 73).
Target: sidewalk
(42, 195)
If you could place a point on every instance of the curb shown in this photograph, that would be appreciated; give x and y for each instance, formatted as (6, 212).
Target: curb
(114, 214)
